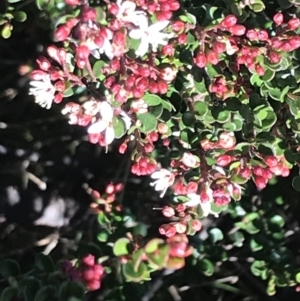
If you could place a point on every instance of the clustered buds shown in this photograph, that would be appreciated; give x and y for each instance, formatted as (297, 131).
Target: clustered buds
(205, 168)
(91, 272)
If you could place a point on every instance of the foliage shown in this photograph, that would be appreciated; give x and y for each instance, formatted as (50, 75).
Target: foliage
(203, 98)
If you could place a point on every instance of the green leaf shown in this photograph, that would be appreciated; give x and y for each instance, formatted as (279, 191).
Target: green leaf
(44, 263)
(6, 31)
(277, 220)
(41, 4)
(233, 104)
(201, 109)
(206, 267)
(97, 70)
(297, 277)
(20, 16)
(296, 183)
(257, 267)
(220, 114)
(119, 127)
(255, 246)
(215, 234)
(156, 111)
(188, 118)
(237, 238)
(152, 99)
(268, 76)
(102, 218)
(9, 268)
(29, 286)
(121, 246)
(153, 245)
(289, 156)
(257, 6)
(46, 293)
(158, 258)
(149, 122)
(103, 235)
(9, 294)
(70, 289)
(132, 275)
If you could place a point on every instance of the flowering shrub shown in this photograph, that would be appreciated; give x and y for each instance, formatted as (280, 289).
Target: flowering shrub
(203, 98)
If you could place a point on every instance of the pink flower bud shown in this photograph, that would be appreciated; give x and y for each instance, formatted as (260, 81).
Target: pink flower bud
(191, 187)
(168, 211)
(189, 160)
(278, 19)
(229, 21)
(89, 260)
(224, 160)
(237, 30)
(212, 57)
(196, 225)
(200, 60)
(62, 33)
(294, 23)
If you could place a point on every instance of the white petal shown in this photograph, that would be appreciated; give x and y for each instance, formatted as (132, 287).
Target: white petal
(128, 7)
(108, 50)
(143, 48)
(156, 175)
(136, 34)
(96, 53)
(142, 22)
(126, 119)
(158, 26)
(97, 127)
(109, 135)
(106, 111)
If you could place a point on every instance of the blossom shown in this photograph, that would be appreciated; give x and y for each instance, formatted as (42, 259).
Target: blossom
(103, 45)
(43, 91)
(149, 35)
(163, 179)
(103, 125)
(205, 207)
(127, 12)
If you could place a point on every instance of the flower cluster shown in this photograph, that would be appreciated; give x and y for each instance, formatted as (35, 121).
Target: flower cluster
(200, 96)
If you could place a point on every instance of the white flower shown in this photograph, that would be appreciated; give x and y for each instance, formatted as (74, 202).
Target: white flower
(104, 124)
(150, 35)
(106, 48)
(196, 201)
(126, 119)
(163, 179)
(43, 91)
(127, 12)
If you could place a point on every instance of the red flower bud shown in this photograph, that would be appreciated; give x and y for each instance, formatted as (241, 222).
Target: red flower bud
(274, 57)
(88, 274)
(178, 26)
(168, 211)
(237, 30)
(219, 47)
(252, 34)
(271, 161)
(196, 225)
(278, 19)
(260, 182)
(89, 260)
(229, 21)
(200, 60)
(224, 160)
(62, 33)
(294, 23)
(212, 57)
